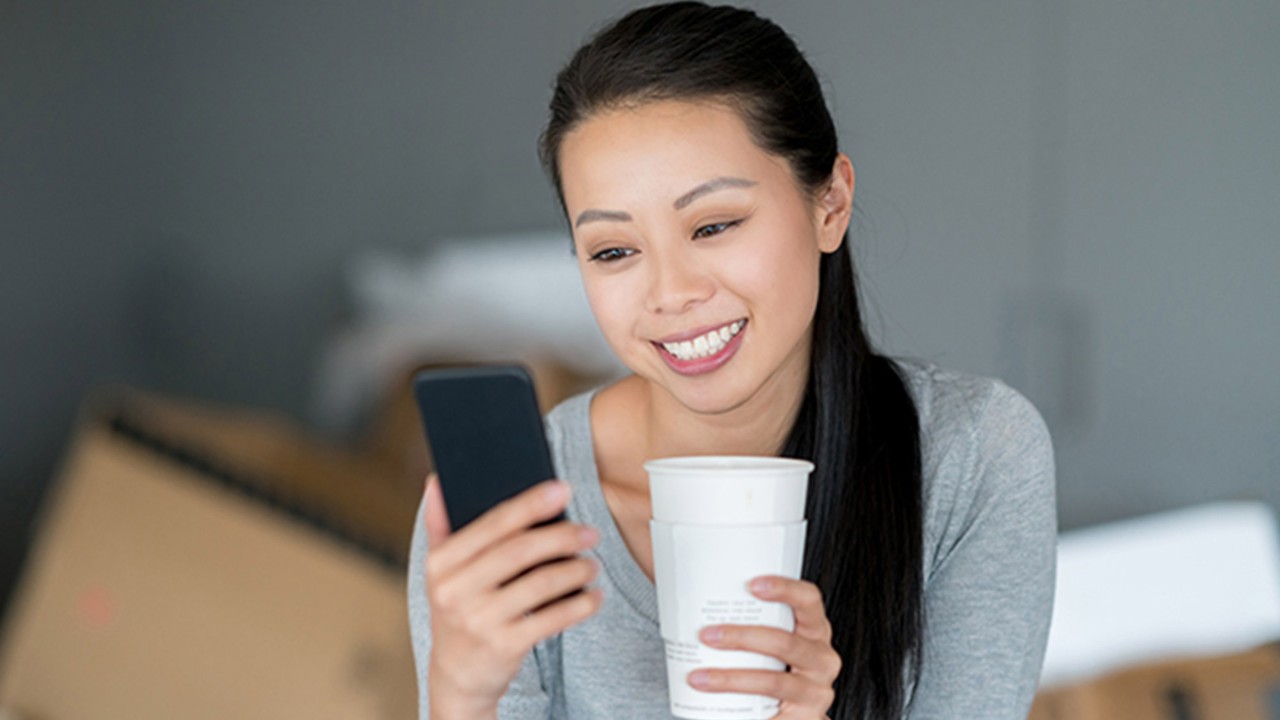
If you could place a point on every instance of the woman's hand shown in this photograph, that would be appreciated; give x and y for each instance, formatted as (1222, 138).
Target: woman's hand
(805, 691)
(483, 602)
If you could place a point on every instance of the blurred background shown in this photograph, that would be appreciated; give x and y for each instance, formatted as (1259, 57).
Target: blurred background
(275, 207)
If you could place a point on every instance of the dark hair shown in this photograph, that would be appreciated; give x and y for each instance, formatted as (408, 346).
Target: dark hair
(857, 423)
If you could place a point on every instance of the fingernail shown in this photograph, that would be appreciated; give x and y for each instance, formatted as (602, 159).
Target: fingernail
(712, 634)
(762, 585)
(700, 678)
(589, 536)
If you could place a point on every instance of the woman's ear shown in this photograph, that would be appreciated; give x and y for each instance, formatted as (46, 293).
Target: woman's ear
(835, 208)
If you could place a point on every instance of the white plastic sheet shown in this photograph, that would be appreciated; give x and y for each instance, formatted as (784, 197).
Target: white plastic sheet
(1199, 581)
(481, 299)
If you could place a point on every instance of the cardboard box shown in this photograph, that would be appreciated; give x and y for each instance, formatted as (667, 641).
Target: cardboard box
(160, 589)
(204, 561)
(1243, 686)
(369, 489)
(356, 493)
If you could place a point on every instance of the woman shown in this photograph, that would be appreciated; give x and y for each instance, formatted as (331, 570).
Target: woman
(698, 167)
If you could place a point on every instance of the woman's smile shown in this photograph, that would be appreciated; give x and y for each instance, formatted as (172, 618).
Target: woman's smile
(704, 352)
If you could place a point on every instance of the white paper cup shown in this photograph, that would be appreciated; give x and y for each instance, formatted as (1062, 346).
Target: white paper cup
(719, 522)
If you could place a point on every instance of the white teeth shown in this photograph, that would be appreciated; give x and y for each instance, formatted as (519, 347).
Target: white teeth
(704, 345)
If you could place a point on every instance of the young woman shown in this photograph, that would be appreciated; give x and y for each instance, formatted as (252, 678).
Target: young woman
(699, 170)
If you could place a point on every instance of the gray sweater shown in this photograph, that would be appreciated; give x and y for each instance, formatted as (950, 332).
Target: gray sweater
(990, 539)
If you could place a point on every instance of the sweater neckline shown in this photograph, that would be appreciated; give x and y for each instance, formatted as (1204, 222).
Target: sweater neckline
(617, 560)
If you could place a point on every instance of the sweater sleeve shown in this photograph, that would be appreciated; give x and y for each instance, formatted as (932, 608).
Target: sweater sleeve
(989, 594)
(526, 698)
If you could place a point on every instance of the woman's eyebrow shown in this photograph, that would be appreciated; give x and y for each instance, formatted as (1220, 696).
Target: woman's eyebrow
(681, 202)
(592, 215)
(711, 186)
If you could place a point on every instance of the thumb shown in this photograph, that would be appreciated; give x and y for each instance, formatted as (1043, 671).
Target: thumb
(435, 516)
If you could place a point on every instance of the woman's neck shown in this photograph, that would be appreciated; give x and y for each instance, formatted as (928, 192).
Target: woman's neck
(757, 426)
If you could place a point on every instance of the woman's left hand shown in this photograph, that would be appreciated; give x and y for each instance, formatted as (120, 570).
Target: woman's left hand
(805, 691)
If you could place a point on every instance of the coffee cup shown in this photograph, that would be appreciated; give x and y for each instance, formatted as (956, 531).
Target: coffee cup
(718, 522)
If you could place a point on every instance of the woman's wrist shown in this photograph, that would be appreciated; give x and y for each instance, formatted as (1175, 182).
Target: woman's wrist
(448, 707)
(444, 709)
(449, 704)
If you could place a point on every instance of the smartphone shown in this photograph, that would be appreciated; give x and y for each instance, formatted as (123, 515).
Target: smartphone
(485, 434)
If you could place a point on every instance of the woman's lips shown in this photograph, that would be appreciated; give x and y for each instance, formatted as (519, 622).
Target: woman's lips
(703, 365)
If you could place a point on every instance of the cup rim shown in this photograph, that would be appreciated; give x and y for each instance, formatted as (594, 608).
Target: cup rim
(727, 526)
(738, 464)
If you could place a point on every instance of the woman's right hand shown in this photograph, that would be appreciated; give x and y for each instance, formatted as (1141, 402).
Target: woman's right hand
(482, 619)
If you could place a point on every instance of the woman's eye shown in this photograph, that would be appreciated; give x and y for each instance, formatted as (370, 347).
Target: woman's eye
(714, 228)
(611, 255)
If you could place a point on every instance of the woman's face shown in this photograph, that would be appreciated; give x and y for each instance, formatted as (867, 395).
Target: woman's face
(699, 252)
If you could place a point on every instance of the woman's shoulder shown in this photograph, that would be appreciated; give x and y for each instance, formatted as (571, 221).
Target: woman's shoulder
(983, 446)
(586, 425)
(968, 410)
(569, 411)
(568, 428)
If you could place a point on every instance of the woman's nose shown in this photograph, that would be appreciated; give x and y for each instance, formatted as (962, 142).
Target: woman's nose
(676, 284)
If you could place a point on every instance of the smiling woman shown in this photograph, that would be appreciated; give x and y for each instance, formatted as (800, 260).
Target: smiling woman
(698, 167)
(706, 230)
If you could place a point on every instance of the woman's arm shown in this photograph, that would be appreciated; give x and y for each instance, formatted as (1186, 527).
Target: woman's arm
(989, 593)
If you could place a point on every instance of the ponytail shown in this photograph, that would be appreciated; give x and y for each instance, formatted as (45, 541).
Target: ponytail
(864, 550)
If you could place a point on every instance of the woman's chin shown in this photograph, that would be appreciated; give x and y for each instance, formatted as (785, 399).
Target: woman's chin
(708, 398)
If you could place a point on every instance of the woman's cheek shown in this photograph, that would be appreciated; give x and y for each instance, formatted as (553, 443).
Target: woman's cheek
(611, 305)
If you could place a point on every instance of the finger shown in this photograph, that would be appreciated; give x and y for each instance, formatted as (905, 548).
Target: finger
(556, 618)
(539, 587)
(785, 686)
(540, 502)
(805, 600)
(810, 657)
(501, 562)
(436, 518)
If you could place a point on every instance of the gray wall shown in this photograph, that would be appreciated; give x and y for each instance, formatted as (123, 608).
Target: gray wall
(1078, 196)
(74, 118)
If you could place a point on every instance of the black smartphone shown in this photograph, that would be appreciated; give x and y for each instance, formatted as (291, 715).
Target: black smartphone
(485, 434)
